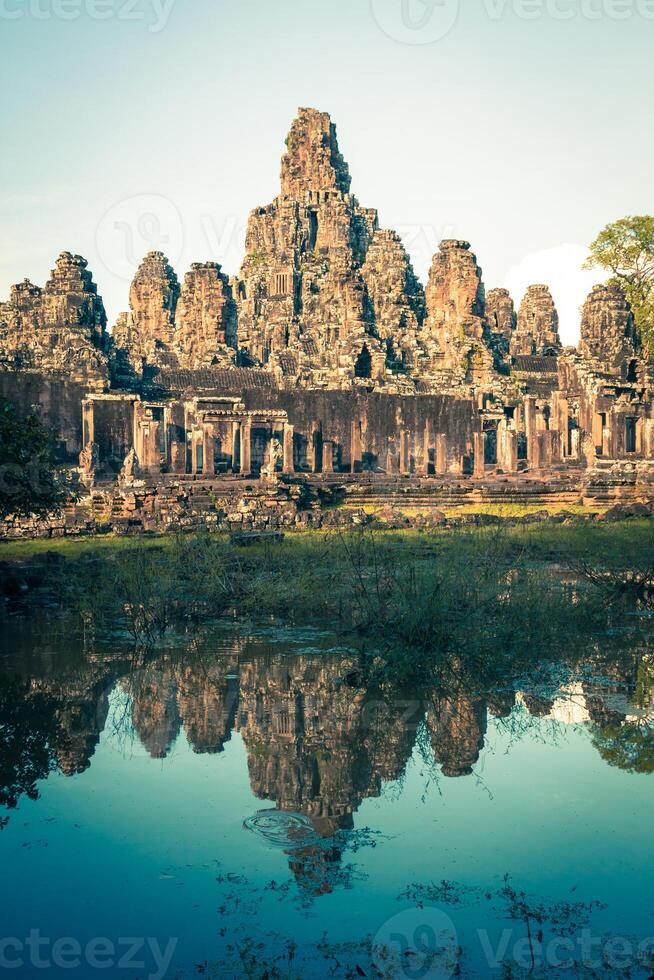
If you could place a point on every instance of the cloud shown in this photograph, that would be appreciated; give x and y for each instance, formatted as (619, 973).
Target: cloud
(561, 269)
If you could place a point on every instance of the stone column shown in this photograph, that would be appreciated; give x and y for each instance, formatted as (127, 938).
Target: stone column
(608, 443)
(327, 457)
(246, 446)
(88, 422)
(147, 445)
(177, 457)
(648, 438)
(289, 463)
(208, 452)
(195, 442)
(575, 443)
(502, 429)
(478, 450)
(598, 432)
(511, 452)
(426, 446)
(618, 427)
(236, 432)
(355, 445)
(560, 421)
(531, 431)
(441, 454)
(556, 445)
(404, 453)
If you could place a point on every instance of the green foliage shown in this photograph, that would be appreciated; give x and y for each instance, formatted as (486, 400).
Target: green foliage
(29, 481)
(27, 734)
(629, 746)
(626, 249)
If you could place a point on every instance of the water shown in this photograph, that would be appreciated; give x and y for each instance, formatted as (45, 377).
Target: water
(244, 804)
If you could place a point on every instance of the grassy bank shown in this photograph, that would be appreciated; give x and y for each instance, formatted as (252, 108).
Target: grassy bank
(620, 544)
(469, 597)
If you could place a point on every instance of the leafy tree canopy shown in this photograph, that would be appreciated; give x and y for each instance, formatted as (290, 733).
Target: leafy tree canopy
(626, 249)
(29, 480)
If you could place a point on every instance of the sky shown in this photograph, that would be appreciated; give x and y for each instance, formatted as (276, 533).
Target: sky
(522, 126)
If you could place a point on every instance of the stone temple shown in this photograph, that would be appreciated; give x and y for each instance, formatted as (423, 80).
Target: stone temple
(327, 362)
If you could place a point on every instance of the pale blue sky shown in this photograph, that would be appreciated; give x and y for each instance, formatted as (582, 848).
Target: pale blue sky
(521, 135)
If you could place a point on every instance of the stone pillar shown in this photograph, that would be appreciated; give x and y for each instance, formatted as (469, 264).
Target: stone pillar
(561, 421)
(88, 422)
(618, 427)
(545, 449)
(327, 457)
(246, 446)
(556, 445)
(356, 452)
(404, 453)
(150, 458)
(177, 457)
(531, 431)
(511, 452)
(441, 454)
(236, 432)
(608, 443)
(648, 438)
(502, 429)
(289, 463)
(208, 452)
(478, 450)
(426, 445)
(195, 442)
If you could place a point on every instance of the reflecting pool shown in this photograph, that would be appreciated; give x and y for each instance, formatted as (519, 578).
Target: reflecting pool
(245, 802)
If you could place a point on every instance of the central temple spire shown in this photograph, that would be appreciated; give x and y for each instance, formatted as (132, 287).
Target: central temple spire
(313, 161)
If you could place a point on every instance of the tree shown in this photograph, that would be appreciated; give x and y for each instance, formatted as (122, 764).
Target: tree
(626, 248)
(29, 730)
(30, 483)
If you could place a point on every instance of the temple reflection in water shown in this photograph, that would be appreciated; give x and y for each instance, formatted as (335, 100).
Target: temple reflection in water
(318, 740)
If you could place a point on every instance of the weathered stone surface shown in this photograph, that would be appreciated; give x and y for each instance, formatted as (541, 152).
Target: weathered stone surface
(328, 347)
(502, 321)
(454, 334)
(396, 298)
(59, 329)
(205, 321)
(147, 332)
(537, 330)
(302, 302)
(608, 331)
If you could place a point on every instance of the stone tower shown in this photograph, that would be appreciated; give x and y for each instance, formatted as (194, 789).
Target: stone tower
(454, 334)
(396, 298)
(502, 321)
(537, 331)
(303, 308)
(147, 332)
(60, 328)
(608, 331)
(205, 320)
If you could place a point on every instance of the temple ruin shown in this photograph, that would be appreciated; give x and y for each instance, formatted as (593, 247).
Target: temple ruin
(327, 345)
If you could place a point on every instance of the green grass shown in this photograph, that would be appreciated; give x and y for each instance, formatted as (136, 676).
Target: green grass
(621, 543)
(475, 594)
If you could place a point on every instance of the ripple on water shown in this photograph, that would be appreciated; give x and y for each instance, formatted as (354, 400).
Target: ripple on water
(282, 829)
